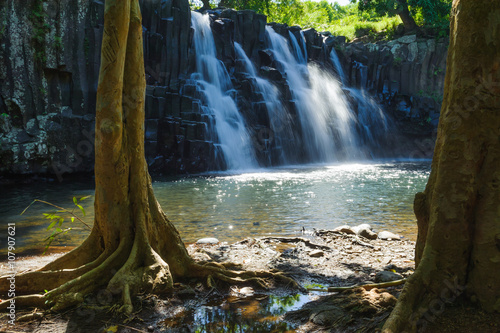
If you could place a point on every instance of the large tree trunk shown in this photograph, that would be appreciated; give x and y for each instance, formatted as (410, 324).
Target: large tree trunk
(458, 246)
(133, 246)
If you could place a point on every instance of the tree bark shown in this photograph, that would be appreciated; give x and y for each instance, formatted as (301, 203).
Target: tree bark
(206, 4)
(404, 14)
(458, 214)
(133, 246)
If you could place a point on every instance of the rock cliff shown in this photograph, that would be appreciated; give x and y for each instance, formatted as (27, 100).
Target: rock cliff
(49, 65)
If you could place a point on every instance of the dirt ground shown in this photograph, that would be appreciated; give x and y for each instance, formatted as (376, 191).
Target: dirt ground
(316, 261)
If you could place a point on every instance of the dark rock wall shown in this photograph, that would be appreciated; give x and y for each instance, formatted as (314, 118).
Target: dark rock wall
(49, 65)
(407, 74)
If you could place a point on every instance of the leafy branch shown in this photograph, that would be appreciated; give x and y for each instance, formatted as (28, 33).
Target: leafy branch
(56, 220)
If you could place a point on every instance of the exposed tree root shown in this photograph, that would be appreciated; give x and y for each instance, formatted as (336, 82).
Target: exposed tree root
(133, 247)
(369, 286)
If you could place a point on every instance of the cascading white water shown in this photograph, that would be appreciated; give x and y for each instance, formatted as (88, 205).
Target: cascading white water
(328, 125)
(279, 118)
(300, 54)
(213, 79)
(372, 122)
(334, 58)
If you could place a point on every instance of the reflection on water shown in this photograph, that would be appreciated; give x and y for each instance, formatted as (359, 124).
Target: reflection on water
(231, 207)
(259, 313)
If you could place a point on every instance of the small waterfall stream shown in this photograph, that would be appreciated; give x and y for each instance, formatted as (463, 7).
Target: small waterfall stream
(279, 118)
(213, 79)
(373, 124)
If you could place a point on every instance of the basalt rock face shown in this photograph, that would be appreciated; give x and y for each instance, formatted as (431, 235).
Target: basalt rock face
(49, 66)
(406, 76)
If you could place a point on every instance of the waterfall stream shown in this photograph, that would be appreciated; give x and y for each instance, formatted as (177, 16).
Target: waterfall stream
(323, 121)
(213, 79)
(327, 123)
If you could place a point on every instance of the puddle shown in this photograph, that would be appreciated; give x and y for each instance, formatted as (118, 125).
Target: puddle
(257, 313)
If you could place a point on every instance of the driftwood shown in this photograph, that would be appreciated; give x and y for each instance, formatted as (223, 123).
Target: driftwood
(364, 286)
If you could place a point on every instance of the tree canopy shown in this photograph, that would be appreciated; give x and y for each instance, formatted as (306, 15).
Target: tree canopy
(432, 13)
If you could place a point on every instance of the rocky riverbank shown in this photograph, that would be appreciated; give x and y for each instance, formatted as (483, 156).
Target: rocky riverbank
(316, 260)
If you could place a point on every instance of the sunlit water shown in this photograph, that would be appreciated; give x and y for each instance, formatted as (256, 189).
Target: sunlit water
(231, 207)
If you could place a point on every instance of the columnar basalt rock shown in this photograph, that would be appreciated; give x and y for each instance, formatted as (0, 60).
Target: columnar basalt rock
(49, 68)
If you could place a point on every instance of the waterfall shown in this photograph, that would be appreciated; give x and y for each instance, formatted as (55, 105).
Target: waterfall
(328, 124)
(334, 58)
(310, 119)
(282, 133)
(372, 122)
(213, 80)
(300, 54)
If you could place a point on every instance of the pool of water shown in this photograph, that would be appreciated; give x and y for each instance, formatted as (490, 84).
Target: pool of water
(230, 207)
(257, 313)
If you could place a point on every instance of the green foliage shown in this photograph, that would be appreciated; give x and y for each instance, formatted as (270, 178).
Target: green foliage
(433, 14)
(397, 61)
(436, 96)
(58, 43)
(40, 29)
(58, 217)
(339, 20)
(4, 115)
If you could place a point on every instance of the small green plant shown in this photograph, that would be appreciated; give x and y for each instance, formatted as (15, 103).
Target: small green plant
(58, 43)
(438, 71)
(397, 61)
(58, 217)
(4, 115)
(40, 29)
(43, 91)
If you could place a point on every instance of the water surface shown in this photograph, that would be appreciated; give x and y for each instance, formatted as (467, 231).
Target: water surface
(230, 207)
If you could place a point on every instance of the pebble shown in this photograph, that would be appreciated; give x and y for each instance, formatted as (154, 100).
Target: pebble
(386, 235)
(316, 253)
(207, 241)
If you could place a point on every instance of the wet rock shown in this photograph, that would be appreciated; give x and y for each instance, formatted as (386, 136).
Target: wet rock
(387, 235)
(387, 276)
(316, 253)
(207, 240)
(345, 229)
(5, 125)
(365, 230)
(367, 234)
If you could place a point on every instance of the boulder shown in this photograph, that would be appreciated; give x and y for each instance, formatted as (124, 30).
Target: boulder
(387, 235)
(387, 276)
(365, 230)
(408, 39)
(345, 229)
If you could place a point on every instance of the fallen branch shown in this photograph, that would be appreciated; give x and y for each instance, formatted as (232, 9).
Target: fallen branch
(297, 240)
(358, 241)
(364, 286)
